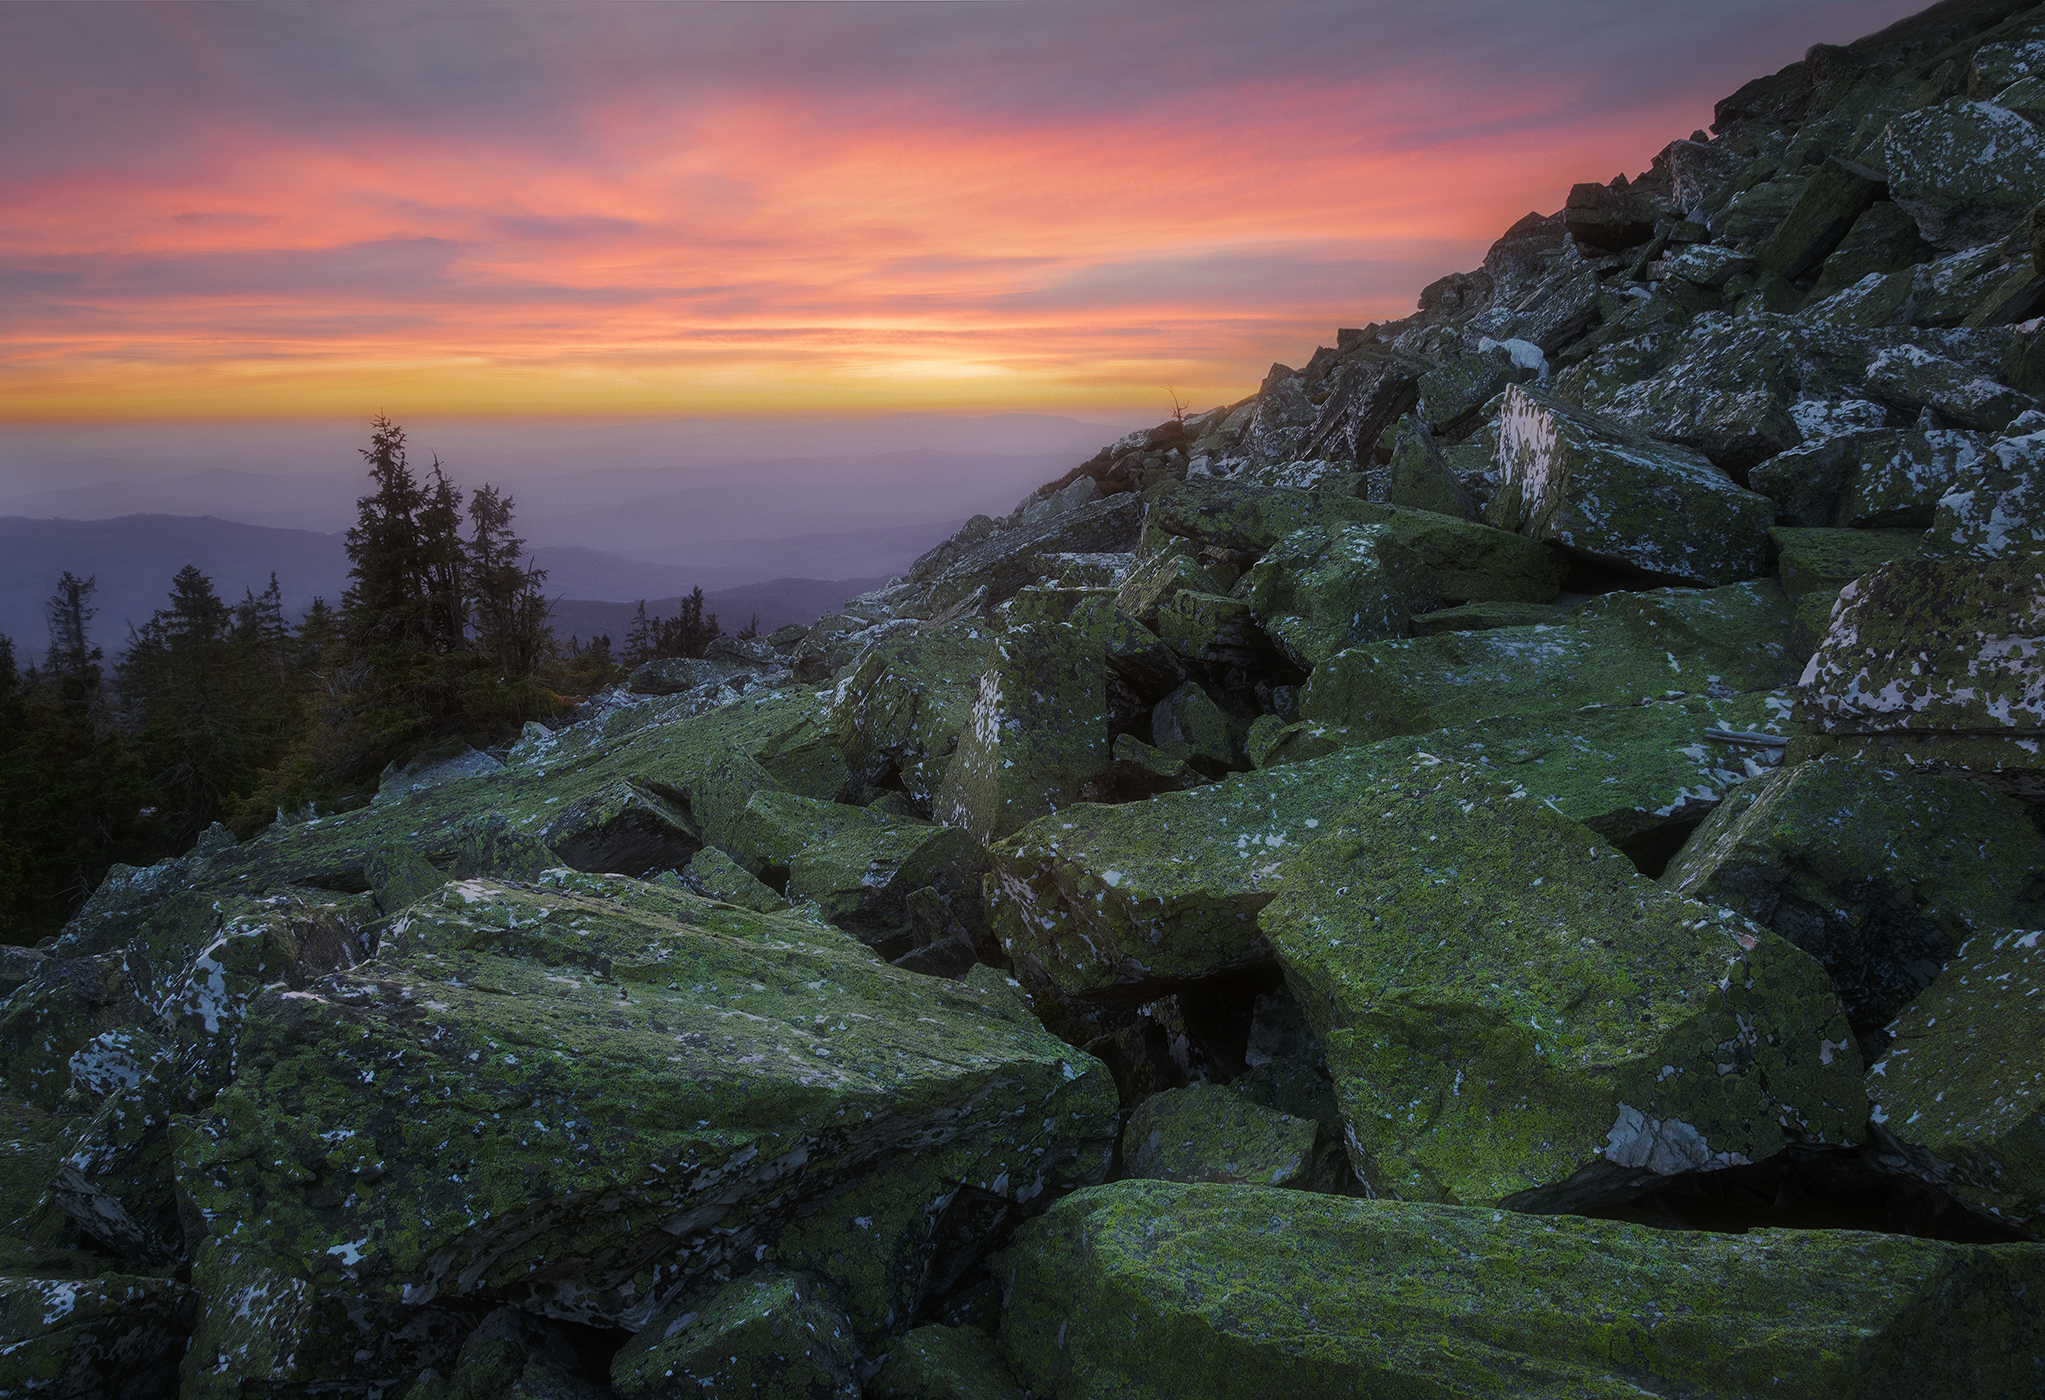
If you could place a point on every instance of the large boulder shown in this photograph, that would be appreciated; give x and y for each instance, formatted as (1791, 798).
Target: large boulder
(1608, 495)
(1963, 1084)
(1322, 589)
(771, 1335)
(79, 1336)
(1966, 171)
(1514, 1015)
(1204, 1132)
(1899, 478)
(1038, 727)
(2000, 513)
(902, 710)
(1933, 664)
(1878, 874)
(579, 1101)
(1145, 893)
(1618, 649)
(1151, 1290)
(1915, 379)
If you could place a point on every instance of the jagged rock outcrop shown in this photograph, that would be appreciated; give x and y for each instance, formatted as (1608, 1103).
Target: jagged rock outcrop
(1525, 762)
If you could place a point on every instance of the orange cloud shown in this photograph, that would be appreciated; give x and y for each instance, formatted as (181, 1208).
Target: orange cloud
(760, 252)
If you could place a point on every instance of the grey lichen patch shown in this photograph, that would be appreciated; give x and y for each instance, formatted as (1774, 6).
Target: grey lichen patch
(1149, 1290)
(1935, 645)
(1963, 1079)
(578, 1103)
(1512, 1013)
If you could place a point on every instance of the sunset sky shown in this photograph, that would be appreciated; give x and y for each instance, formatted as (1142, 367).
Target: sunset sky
(269, 210)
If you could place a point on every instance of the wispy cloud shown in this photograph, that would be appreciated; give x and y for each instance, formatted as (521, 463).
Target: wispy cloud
(608, 207)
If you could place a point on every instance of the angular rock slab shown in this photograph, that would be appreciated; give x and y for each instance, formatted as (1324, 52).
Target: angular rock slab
(81, 1338)
(1038, 728)
(1618, 649)
(772, 1335)
(1939, 664)
(2000, 514)
(1318, 591)
(1607, 494)
(1513, 1015)
(1966, 171)
(1149, 1290)
(1879, 874)
(1964, 1079)
(1204, 1132)
(580, 1102)
(1101, 896)
(907, 701)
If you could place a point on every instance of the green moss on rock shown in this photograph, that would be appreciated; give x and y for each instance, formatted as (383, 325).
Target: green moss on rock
(1156, 1291)
(1513, 1014)
(1825, 561)
(944, 1363)
(76, 1338)
(1205, 1132)
(1963, 1079)
(1325, 588)
(772, 1335)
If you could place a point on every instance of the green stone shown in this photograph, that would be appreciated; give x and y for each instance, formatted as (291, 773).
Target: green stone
(2002, 512)
(1831, 201)
(1150, 1290)
(861, 878)
(1883, 239)
(1513, 1015)
(1204, 1132)
(715, 875)
(1320, 590)
(1934, 645)
(1825, 561)
(1877, 873)
(71, 1001)
(1418, 476)
(1154, 582)
(580, 1100)
(1038, 730)
(772, 1335)
(1617, 649)
(1214, 628)
(1963, 1081)
(1900, 477)
(74, 1338)
(400, 876)
(1189, 726)
(944, 1363)
(1611, 495)
(1100, 895)
(512, 1356)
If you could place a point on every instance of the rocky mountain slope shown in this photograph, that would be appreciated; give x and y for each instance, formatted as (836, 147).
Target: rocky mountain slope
(1507, 864)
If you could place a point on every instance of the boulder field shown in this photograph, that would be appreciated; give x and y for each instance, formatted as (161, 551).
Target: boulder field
(1510, 862)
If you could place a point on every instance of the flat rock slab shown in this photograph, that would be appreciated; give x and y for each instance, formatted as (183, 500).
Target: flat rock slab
(1156, 1291)
(577, 1102)
(1877, 873)
(1604, 492)
(1618, 649)
(1513, 1014)
(1100, 896)
(1964, 1079)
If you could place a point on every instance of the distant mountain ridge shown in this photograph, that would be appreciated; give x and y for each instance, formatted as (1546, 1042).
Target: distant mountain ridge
(134, 556)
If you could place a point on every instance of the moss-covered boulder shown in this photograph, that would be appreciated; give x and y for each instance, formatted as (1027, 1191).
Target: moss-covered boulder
(773, 1335)
(1148, 1290)
(580, 1100)
(1963, 1081)
(1932, 664)
(1879, 874)
(73, 1338)
(1825, 561)
(715, 875)
(2002, 512)
(1513, 1014)
(1322, 589)
(944, 1363)
(1618, 649)
(66, 1005)
(1966, 171)
(1607, 494)
(1150, 891)
(903, 708)
(1899, 477)
(1205, 1132)
(1038, 728)
(1469, 560)
(1188, 725)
